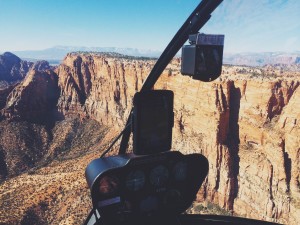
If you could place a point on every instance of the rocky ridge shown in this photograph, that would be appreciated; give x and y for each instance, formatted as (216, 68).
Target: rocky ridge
(36, 96)
(263, 58)
(246, 123)
(12, 68)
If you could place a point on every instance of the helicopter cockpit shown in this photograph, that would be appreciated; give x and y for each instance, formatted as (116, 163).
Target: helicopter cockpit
(133, 188)
(154, 185)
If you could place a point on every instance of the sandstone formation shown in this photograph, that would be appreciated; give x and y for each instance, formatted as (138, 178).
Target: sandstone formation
(41, 66)
(100, 86)
(246, 123)
(12, 68)
(34, 98)
(231, 121)
(4, 92)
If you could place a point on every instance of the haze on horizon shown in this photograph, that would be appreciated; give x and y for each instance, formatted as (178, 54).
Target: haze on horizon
(249, 26)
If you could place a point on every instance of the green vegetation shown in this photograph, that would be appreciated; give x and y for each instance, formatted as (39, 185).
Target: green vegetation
(209, 208)
(263, 74)
(216, 209)
(115, 55)
(255, 74)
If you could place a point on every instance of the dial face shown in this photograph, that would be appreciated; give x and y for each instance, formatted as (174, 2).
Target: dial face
(108, 185)
(135, 180)
(159, 176)
(149, 204)
(172, 198)
(180, 171)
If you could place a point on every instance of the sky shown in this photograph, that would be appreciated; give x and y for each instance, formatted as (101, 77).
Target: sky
(248, 25)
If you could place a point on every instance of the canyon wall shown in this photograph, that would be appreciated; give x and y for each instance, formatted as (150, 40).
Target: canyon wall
(12, 68)
(246, 123)
(247, 127)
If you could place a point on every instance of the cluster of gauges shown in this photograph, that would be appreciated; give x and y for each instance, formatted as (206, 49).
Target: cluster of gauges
(145, 185)
(136, 180)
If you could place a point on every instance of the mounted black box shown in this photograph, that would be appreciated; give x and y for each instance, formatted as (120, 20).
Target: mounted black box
(204, 57)
(153, 120)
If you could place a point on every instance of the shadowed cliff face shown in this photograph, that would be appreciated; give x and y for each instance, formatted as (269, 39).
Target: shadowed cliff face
(12, 68)
(35, 98)
(246, 123)
(12, 71)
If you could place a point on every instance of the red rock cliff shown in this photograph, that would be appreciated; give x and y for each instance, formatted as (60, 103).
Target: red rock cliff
(34, 98)
(246, 125)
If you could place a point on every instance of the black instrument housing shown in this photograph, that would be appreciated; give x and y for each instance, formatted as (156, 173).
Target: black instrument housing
(153, 120)
(171, 197)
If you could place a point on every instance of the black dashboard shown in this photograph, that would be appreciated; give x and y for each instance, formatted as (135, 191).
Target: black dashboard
(130, 186)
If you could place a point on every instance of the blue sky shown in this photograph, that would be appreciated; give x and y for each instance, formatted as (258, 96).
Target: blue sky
(248, 25)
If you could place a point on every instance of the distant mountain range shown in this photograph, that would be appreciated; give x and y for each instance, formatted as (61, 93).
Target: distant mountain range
(56, 54)
(260, 59)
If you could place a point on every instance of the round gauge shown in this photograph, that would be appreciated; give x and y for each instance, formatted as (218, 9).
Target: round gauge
(149, 204)
(159, 176)
(135, 180)
(108, 184)
(172, 198)
(180, 171)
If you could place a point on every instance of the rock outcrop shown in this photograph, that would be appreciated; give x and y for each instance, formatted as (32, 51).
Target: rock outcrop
(34, 99)
(100, 86)
(4, 92)
(12, 71)
(12, 68)
(42, 66)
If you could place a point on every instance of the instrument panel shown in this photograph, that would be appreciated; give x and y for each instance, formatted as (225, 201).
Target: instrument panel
(150, 185)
